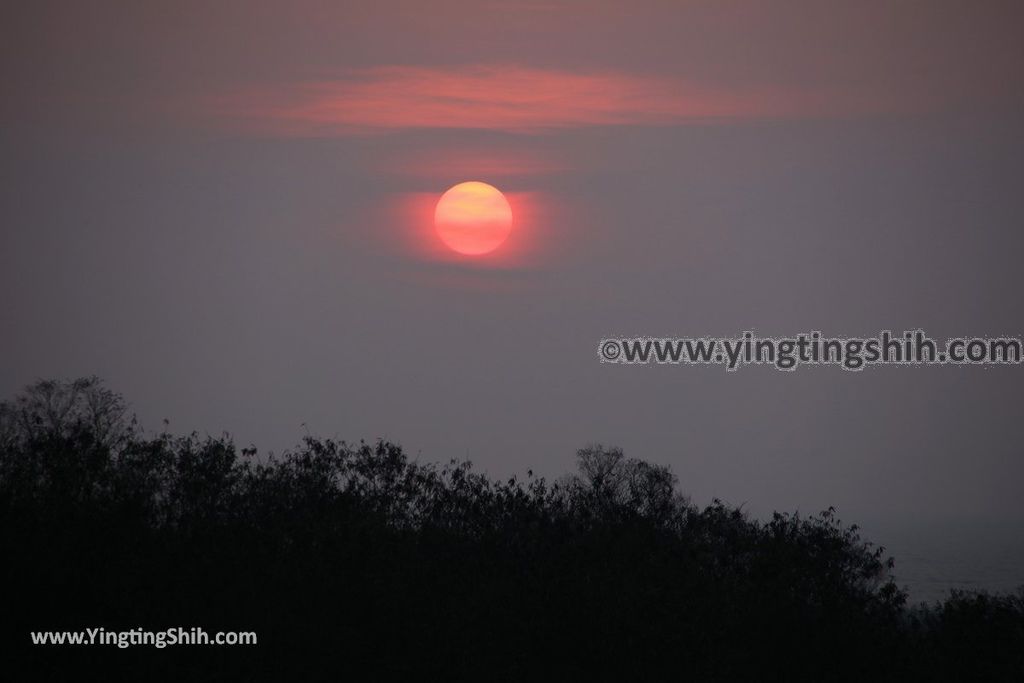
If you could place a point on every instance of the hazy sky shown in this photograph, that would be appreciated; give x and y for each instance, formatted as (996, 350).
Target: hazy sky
(223, 210)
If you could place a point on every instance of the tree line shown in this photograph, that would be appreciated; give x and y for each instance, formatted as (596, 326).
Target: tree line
(351, 561)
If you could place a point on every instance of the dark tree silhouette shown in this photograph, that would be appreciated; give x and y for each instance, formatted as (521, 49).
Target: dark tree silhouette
(352, 562)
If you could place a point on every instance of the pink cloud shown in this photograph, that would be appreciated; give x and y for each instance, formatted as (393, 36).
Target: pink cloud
(508, 98)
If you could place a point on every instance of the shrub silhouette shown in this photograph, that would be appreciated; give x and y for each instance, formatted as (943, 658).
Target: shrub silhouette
(351, 561)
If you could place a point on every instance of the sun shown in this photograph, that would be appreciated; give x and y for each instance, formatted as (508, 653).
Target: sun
(473, 218)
